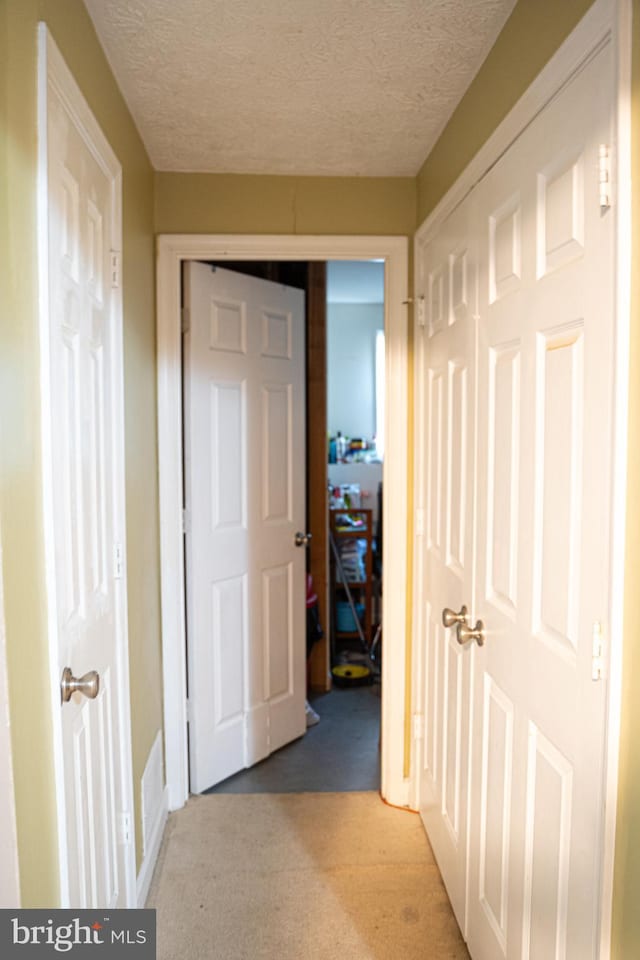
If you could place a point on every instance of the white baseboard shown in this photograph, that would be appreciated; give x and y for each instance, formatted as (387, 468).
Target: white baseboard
(154, 798)
(153, 849)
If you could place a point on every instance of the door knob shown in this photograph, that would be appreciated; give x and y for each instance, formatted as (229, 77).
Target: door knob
(303, 539)
(450, 617)
(88, 685)
(466, 634)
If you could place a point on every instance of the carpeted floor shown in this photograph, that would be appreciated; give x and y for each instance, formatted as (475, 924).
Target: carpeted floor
(339, 753)
(312, 876)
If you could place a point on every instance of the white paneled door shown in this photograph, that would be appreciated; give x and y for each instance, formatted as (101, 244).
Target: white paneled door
(244, 382)
(528, 860)
(83, 460)
(449, 389)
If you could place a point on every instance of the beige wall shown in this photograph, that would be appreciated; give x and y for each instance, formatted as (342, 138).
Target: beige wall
(228, 203)
(20, 468)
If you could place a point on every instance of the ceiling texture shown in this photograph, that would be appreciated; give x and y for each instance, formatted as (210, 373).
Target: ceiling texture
(303, 87)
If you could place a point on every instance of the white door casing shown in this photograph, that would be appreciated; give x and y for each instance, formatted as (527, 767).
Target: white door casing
(83, 470)
(555, 572)
(173, 251)
(245, 499)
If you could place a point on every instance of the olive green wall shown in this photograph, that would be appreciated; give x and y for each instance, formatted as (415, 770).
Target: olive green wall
(228, 203)
(530, 37)
(20, 469)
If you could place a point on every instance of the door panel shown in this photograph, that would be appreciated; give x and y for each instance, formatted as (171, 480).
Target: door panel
(517, 527)
(84, 389)
(450, 277)
(545, 373)
(244, 487)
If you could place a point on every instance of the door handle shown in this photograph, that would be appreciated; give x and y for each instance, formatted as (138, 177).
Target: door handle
(88, 685)
(450, 617)
(466, 634)
(303, 539)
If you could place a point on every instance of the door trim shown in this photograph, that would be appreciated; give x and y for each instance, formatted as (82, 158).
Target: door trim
(172, 250)
(53, 72)
(606, 20)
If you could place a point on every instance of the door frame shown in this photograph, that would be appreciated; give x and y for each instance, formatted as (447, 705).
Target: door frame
(53, 72)
(173, 249)
(605, 20)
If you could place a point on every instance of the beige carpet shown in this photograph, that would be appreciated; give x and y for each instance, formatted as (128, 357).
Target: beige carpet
(311, 876)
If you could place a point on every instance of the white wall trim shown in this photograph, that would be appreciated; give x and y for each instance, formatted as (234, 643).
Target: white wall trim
(172, 250)
(154, 804)
(606, 20)
(9, 866)
(54, 74)
(151, 857)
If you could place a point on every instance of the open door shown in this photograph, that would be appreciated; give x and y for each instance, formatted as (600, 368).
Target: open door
(244, 409)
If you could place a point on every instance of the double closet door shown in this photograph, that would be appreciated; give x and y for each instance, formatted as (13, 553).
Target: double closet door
(516, 377)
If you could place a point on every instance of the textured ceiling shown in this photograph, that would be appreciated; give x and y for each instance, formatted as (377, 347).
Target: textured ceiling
(306, 87)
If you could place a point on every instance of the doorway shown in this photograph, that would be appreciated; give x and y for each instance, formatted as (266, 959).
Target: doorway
(173, 251)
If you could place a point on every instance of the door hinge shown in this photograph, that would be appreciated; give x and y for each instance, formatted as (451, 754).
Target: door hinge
(115, 269)
(604, 177)
(124, 827)
(118, 561)
(184, 319)
(420, 311)
(186, 521)
(418, 726)
(597, 652)
(189, 711)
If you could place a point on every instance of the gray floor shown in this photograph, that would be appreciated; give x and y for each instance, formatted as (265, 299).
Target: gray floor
(341, 753)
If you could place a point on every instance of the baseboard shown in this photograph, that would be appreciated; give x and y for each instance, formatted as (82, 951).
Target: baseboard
(154, 804)
(153, 849)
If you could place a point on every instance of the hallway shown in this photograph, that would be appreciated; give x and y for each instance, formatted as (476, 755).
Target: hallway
(311, 876)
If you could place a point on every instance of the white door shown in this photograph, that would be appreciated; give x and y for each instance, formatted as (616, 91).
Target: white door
(244, 405)
(82, 384)
(450, 271)
(544, 511)
(540, 576)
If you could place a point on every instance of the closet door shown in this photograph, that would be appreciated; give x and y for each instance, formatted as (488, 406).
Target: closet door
(545, 394)
(448, 267)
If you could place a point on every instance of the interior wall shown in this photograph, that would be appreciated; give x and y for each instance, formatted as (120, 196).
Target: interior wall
(21, 469)
(351, 367)
(228, 203)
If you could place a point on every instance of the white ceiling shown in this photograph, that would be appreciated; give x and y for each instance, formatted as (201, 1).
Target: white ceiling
(355, 281)
(305, 87)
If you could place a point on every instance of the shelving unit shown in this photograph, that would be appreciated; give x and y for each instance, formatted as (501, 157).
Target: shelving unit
(347, 527)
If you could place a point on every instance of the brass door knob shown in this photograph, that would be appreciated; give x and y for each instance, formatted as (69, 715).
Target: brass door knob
(303, 539)
(466, 634)
(88, 685)
(450, 617)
